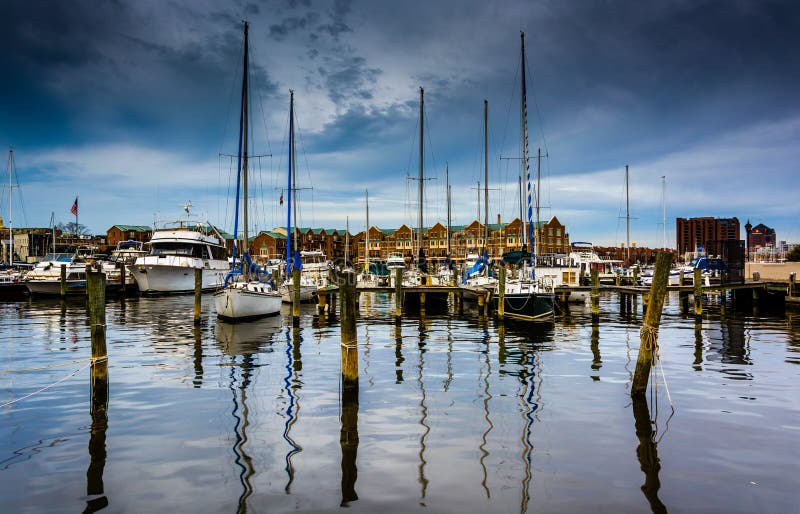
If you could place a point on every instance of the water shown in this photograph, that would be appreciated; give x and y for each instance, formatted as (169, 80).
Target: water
(454, 413)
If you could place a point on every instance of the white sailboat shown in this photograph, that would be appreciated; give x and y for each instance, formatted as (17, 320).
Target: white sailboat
(527, 297)
(247, 292)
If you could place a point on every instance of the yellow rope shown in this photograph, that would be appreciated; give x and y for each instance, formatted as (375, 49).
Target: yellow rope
(649, 335)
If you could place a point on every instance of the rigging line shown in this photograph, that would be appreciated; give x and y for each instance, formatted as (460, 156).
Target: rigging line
(299, 134)
(231, 96)
(536, 103)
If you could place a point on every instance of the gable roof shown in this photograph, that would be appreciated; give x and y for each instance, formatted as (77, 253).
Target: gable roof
(135, 228)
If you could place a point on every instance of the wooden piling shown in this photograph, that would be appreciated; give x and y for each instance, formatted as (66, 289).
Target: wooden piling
(122, 279)
(697, 281)
(649, 332)
(791, 284)
(347, 319)
(295, 296)
(595, 294)
(198, 293)
(501, 301)
(96, 300)
(63, 281)
(398, 294)
(645, 301)
(322, 301)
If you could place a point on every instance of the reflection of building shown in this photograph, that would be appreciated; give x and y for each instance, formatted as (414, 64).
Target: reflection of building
(761, 236)
(694, 234)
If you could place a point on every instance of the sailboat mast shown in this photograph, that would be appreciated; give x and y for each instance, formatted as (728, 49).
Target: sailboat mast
(366, 240)
(524, 143)
(347, 241)
(290, 188)
(421, 165)
(447, 190)
(294, 179)
(245, 131)
(664, 207)
(486, 174)
(10, 206)
(627, 219)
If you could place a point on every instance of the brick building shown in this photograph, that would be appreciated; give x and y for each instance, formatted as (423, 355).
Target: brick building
(695, 234)
(761, 236)
(118, 233)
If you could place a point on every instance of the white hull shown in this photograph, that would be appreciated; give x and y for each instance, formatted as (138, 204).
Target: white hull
(247, 301)
(157, 278)
(53, 287)
(306, 293)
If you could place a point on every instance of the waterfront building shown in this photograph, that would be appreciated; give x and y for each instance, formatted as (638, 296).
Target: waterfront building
(117, 233)
(761, 236)
(696, 235)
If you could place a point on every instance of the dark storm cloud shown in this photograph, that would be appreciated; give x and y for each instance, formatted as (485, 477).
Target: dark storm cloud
(348, 77)
(291, 24)
(337, 25)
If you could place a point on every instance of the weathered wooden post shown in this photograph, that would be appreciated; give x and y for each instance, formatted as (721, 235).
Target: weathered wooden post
(618, 279)
(680, 278)
(501, 301)
(649, 332)
(122, 279)
(487, 303)
(723, 297)
(96, 299)
(398, 294)
(595, 294)
(481, 302)
(347, 318)
(295, 296)
(645, 301)
(791, 284)
(697, 281)
(322, 301)
(198, 293)
(63, 281)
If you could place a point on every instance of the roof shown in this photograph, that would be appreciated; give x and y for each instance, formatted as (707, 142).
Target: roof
(135, 228)
(273, 235)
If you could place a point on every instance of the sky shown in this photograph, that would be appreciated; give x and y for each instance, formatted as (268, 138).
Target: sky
(133, 107)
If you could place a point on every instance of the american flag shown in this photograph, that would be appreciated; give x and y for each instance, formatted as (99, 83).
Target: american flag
(74, 209)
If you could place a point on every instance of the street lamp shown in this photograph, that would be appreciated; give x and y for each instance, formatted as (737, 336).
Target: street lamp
(747, 228)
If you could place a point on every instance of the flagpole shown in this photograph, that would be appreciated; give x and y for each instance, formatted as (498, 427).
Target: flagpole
(76, 215)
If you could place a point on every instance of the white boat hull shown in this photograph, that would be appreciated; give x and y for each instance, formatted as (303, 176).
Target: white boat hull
(155, 279)
(306, 293)
(250, 302)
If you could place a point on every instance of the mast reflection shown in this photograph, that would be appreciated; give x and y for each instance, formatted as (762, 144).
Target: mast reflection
(240, 414)
(198, 358)
(292, 383)
(398, 353)
(423, 335)
(486, 397)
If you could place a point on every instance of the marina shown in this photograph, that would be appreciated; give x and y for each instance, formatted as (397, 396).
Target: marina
(279, 256)
(452, 412)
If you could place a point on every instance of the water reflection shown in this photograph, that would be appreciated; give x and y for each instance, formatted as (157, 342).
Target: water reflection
(597, 361)
(198, 358)
(647, 453)
(242, 342)
(423, 336)
(398, 353)
(487, 396)
(348, 440)
(292, 385)
(97, 439)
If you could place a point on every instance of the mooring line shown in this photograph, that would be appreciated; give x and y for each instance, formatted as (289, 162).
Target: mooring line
(53, 384)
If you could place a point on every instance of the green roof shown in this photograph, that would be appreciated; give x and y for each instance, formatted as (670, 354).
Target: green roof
(135, 228)
(388, 231)
(274, 235)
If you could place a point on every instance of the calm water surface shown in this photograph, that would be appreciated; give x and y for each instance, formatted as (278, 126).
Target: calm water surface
(454, 413)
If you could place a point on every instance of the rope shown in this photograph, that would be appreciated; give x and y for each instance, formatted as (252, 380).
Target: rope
(649, 335)
(93, 360)
(25, 370)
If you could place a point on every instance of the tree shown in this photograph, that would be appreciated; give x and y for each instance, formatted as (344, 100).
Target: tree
(794, 255)
(72, 228)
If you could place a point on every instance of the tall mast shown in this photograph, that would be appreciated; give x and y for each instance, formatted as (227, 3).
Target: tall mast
(347, 241)
(421, 165)
(447, 191)
(664, 207)
(290, 187)
(239, 168)
(524, 143)
(10, 205)
(486, 174)
(627, 220)
(245, 131)
(366, 241)
(294, 179)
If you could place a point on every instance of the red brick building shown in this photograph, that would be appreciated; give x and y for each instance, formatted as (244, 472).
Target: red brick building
(695, 234)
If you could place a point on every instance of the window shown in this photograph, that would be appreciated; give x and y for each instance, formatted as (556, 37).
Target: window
(549, 231)
(558, 231)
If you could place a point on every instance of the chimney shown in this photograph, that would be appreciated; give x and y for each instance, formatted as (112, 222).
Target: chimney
(498, 219)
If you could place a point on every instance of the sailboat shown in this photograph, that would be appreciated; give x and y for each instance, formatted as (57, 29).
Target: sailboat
(247, 292)
(10, 279)
(366, 278)
(526, 297)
